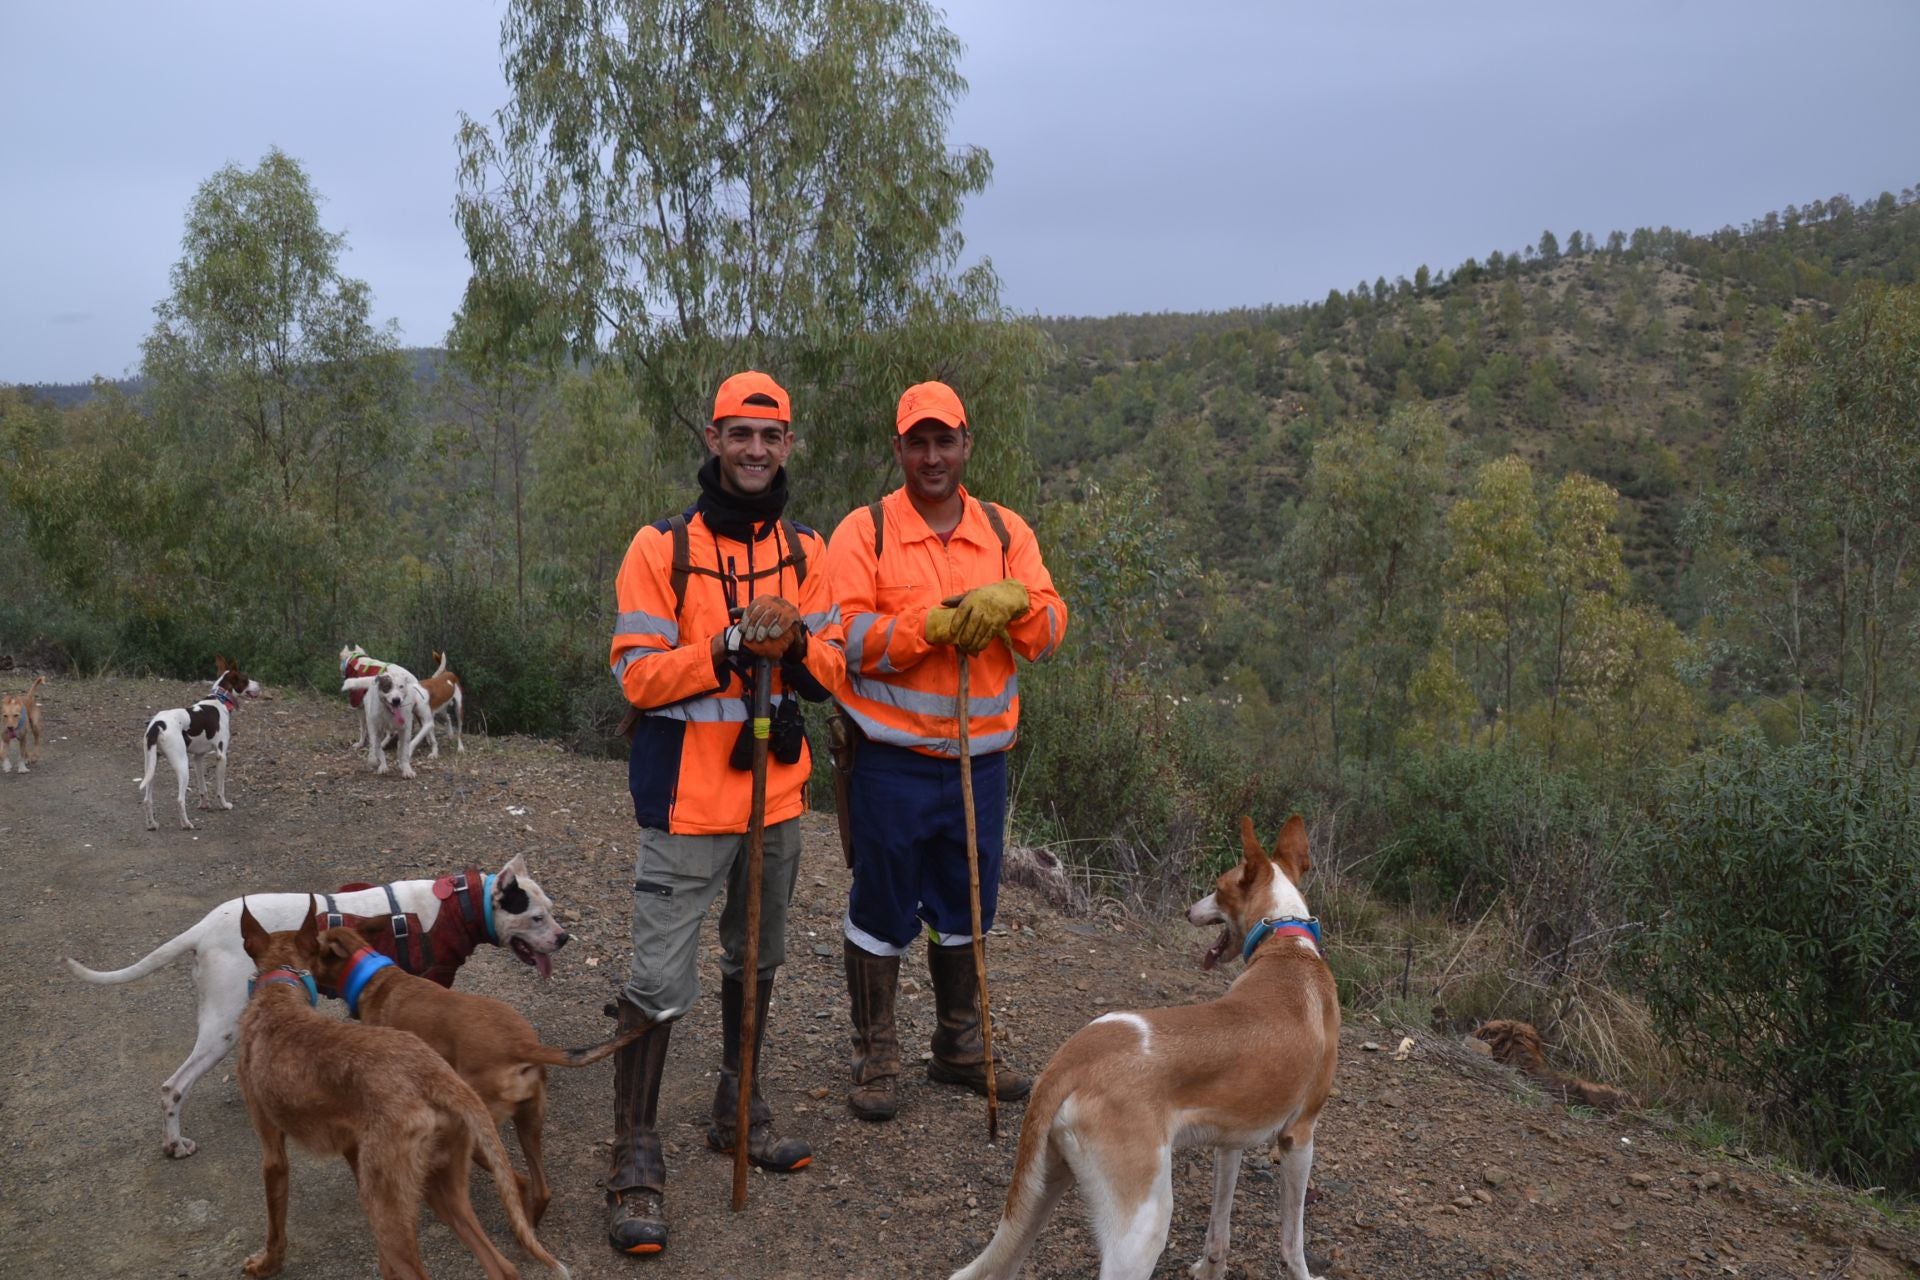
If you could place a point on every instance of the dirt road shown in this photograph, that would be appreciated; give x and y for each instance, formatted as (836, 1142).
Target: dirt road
(1436, 1166)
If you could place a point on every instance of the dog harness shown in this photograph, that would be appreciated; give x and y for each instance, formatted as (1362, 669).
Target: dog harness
(360, 666)
(1282, 927)
(286, 976)
(360, 970)
(435, 953)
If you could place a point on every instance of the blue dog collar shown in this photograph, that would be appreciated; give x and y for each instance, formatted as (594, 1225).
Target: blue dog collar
(285, 977)
(1282, 926)
(365, 964)
(486, 908)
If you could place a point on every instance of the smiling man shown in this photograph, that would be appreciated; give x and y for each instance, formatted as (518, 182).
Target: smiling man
(700, 595)
(922, 576)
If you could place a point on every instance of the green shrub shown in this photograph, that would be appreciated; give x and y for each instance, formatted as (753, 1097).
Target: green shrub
(1782, 943)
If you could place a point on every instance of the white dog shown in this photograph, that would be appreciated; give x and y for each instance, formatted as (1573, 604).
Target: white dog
(396, 702)
(519, 916)
(354, 661)
(204, 729)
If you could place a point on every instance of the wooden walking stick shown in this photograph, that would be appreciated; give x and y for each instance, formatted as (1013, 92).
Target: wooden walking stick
(762, 712)
(973, 889)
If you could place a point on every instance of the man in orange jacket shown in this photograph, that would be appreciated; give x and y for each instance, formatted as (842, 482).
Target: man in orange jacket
(700, 596)
(924, 575)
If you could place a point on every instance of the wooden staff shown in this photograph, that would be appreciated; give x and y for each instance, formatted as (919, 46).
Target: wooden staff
(973, 890)
(762, 712)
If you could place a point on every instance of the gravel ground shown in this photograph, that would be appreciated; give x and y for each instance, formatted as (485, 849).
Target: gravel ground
(1437, 1166)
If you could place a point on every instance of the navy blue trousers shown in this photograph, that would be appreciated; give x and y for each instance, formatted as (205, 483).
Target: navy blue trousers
(910, 846)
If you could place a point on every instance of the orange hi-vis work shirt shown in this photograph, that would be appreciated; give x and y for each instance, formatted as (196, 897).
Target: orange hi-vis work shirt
(899, 688)
(682, 778)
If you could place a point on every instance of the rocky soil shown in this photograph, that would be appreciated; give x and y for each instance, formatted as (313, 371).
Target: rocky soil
(1436, 1165)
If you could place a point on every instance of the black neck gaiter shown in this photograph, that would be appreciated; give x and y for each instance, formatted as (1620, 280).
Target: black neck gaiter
(735, 515)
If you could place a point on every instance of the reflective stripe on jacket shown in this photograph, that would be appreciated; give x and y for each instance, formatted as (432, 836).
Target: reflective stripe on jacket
(899, 688)
(681, 775)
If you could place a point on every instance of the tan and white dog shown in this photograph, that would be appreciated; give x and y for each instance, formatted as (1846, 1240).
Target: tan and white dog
(20, 716)
(1251, 1068)
(445, 697)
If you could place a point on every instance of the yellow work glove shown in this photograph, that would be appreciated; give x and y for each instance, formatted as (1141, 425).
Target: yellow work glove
(984, 613)
(940, 625)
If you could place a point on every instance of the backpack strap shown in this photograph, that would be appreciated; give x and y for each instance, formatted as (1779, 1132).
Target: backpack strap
(796, 551)
(879, 527)
(999, 531)
(682, 560)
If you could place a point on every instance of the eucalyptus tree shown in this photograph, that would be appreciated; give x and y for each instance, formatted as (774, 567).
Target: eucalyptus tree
(1821, 513)
(691, 187)
(281, 402)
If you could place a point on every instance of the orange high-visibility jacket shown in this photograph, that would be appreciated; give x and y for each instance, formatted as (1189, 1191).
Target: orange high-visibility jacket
(681, 775)
(902, 690)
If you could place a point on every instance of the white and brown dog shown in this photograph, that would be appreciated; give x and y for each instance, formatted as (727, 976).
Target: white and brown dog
(447, 919)
(20, 716)
(1251, 1068)
(200, 731)
(445, 697)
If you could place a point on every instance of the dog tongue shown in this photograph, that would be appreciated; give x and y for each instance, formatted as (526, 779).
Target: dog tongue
(1211, 956)
(544, 965)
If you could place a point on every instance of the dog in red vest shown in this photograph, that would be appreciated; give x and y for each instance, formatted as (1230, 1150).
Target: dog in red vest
(434, 925)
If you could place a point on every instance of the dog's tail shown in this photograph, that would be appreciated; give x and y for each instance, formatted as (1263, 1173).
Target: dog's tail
(37, 682)
(552, 1056)
(492, 1154)
(440, 657)
(1039, 1178)
(158, 958)
(155, 728)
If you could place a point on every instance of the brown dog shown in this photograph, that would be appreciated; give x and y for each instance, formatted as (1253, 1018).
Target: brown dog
(493, 1048)
(19, 716)
(404, 1122)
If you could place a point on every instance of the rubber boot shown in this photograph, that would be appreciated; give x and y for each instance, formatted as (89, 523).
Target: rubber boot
(637, 1181)
(871, 983)
(775, 1155)
(959, 1055)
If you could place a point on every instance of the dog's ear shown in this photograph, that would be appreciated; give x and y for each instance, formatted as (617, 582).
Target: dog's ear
(308, 938)
(220, 664)
(1290, 850)
(253, 936)
(1252, 856)
(515, 868)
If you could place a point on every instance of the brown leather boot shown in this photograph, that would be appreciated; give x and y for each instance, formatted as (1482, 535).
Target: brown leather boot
(637, 1181)
(871, 982)
(776, 1155)
(959, 1054)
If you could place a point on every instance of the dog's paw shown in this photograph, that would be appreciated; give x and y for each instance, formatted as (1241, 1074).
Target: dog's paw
(1208, 1269)
(187, 825)
(226, 804)
(179, 1148)
(407, 772)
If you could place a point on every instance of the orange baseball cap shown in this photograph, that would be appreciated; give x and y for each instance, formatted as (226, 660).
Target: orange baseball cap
(925, 400)
(752, 395)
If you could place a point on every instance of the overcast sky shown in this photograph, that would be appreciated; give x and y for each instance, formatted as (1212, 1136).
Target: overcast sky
(1148, 156)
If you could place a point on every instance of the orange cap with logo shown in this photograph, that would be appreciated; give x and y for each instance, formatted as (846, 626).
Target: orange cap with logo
(752, 395)
(925, 400)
